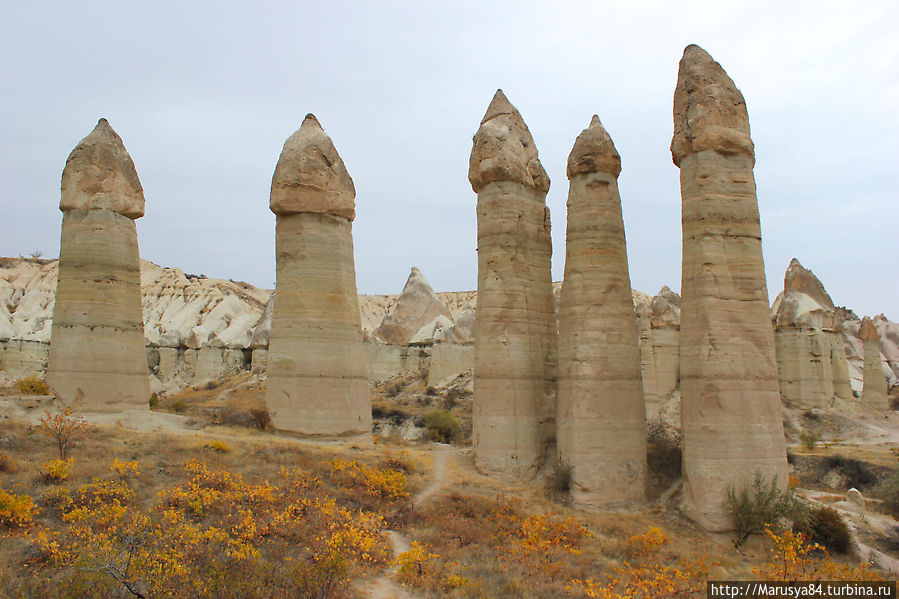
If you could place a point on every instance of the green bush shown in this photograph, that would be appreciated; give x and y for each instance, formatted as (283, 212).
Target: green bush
(442, 425)
(154, 400)
(825, 526)
(888, 491)
(809, 439)
(761, 504)
(178, 406)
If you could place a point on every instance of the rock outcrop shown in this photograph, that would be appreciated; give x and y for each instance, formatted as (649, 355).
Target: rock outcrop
(515, 325)
(601, 416)
(874, 392)
(665, 321)
(811, 356)
(730, 398)
(417, 307)
(317, 379)
(97, 359)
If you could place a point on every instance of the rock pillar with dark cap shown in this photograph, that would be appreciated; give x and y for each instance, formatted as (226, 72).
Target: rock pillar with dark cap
(874, 389)
(730, 402)
(97, 356)
(601, 413)
(515, 328)
(317, 384)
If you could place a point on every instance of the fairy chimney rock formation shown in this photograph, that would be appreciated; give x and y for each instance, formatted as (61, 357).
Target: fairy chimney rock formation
(317, 380)
(665, 320)
(874, 391)
(97, 358)
(811, 356)
(416, 307)
(601, 414)
(515, 323)
(730, 398)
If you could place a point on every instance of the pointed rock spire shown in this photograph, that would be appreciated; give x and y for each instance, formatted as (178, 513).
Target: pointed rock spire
(504, 150)
(730, 393)
(601, 411)
(709, 111)
(417, 306)
(594, 152)
(874, 390)
(99, 173)
(311, 176)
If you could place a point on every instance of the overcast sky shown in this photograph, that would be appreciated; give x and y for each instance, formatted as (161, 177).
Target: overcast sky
(205, 93)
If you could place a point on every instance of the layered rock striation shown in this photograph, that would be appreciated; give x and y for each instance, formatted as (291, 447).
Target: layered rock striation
(97, 360)
(811, 355)
(730, 399)
(317, 379)
(515, 359)
(874, 392)
(601, 415)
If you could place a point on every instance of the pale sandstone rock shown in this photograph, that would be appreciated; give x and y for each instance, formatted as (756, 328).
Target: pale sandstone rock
(855, 497)
(97, 357)
(810, 354)
(601, 415)
(317, 383)
(874, 392)
(515, 329)
(730, 398)
(643, 311)
(417, 306)
(665, 322)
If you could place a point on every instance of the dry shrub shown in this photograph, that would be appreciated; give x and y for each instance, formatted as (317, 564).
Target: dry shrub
(56, 471)
(794, 558)
(212, 536)
(16, 511)
(261, 418)
(7, 464)
(888, 491)
(66, 429)
(32, 385)
(824, 526)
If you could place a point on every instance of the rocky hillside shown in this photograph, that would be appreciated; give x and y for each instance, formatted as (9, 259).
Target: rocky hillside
(199, 329)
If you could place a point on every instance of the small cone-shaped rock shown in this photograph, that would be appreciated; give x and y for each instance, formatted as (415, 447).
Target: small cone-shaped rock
(874, 391)
(730, 400)
(601, 415)
(515, 328)
(97, 357)
(811, 361)
(317, 381)
(417, 306)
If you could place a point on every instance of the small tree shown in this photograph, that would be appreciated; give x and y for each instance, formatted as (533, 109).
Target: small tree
(763, 504)
(443, 425)
(66, 429)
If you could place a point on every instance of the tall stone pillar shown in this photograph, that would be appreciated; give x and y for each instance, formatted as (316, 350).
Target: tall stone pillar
(601, 414)
(730, 401)
(97, 357)
(515, 325)
(317, 383)
(665, 311)
(874, 390)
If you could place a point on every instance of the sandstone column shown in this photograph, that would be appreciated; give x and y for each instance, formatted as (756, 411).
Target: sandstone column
(317, 382)
(515, 334)
(874, 391)
(730, 401)
(601, 415)
(97, 357)
(665, 311)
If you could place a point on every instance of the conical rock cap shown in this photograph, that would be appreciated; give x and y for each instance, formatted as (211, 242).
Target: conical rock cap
(594, 152)
(503, 149)
(867, 331)
(311, 176)
(709, 111)
(99, 174)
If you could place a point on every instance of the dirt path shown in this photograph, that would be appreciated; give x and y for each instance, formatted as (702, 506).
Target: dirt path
(384, 587)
